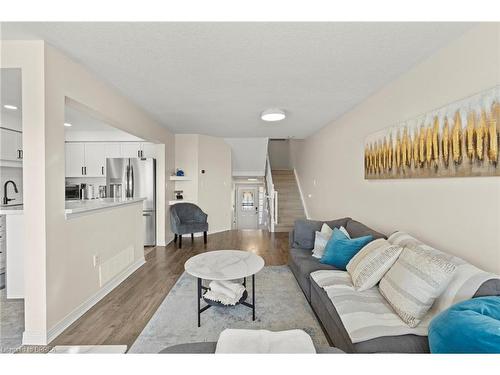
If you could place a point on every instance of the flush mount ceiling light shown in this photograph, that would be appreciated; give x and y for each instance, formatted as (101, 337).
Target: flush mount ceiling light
(252, 179)
(67, 124)
(10, 106)
(273, 114)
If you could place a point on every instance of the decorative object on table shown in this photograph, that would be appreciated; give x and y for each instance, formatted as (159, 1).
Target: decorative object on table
(224, 265)
(471, 326)
(458, 140)
(227, 293)
(179, 172)
(187, 218)
(179, 194)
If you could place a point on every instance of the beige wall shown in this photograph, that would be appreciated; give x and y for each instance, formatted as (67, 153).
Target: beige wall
(458, 215)
(186, 158)
(210, 190)
(29, 56)
(214, 186)
(279, 154)
(49, 78)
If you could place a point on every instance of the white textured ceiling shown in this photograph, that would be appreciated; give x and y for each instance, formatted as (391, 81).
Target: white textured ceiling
(216, 78)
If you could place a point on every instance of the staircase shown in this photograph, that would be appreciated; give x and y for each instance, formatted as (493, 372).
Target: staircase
(289, 201)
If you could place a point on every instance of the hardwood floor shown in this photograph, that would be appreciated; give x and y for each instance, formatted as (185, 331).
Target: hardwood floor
(121, 316)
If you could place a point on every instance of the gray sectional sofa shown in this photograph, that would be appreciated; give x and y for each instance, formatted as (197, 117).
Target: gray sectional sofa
(302, 264)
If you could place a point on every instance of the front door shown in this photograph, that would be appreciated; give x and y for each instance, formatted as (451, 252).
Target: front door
(247, 207)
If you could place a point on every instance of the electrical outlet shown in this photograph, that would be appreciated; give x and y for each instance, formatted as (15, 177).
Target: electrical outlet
(95, 260)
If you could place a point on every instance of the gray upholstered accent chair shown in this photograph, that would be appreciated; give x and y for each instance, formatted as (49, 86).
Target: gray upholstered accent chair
(187, 218)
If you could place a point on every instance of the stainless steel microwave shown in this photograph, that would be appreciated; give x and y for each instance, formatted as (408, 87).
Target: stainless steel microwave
(72, 192)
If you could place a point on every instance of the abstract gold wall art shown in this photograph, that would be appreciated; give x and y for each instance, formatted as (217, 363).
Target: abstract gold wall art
(458, 140)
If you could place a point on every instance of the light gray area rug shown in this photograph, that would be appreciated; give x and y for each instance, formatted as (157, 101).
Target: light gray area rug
(280, 305)
(11, 323)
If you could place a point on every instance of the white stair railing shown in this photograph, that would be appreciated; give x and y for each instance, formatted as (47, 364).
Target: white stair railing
(272, 197)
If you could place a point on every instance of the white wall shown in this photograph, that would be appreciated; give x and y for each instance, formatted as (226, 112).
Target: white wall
(29, 56)
(457, 215)
(248, 156)
(279, 154)
(214, 189)
(210, 190)
(100, 136)
(186, 158)
(48, 77)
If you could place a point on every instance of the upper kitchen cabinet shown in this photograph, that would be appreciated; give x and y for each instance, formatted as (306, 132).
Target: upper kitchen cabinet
(11, 142)
(148, 150)
(75, 159)
(131, 150)
(95, 159)
(138, 150)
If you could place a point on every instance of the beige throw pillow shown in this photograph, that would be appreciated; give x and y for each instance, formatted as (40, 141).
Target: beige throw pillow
(371, 263)
(418, 277)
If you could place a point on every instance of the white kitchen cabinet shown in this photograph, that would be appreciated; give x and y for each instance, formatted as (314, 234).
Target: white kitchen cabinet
(88, 159)
(14, 260)
(75, 159)
(95, 159)
(138, 150)
(112, 150)
(11, 145)
(148, 150)
(131, 149)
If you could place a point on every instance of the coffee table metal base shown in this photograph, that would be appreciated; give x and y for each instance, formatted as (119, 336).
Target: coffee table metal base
(243, 302)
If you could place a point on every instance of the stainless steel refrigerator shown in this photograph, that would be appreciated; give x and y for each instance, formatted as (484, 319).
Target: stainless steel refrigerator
(137, 178)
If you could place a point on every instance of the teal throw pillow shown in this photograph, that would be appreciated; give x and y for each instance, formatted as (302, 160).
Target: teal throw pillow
(340, 249)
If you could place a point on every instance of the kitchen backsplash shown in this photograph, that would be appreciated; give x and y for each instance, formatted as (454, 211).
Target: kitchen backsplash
(86, 180)
(16, 175)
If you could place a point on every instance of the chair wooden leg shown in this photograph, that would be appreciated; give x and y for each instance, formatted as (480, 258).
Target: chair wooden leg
(205, 237)
(192, 237)
(180, 241)
(175, 238)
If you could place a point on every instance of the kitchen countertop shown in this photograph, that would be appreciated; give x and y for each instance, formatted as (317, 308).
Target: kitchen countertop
(76, 207)
(13, 209)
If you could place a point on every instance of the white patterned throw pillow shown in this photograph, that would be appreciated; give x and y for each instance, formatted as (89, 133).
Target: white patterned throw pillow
(326, 230)
(371, 263)
(320, 242)
(413, 283)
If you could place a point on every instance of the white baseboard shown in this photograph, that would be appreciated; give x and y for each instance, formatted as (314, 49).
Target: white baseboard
(300, 192)
(69, 319)
(34, 338)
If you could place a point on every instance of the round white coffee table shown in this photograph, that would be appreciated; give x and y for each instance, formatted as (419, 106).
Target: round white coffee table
(224, 265)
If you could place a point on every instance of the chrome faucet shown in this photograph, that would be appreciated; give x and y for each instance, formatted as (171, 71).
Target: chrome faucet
(5, 199)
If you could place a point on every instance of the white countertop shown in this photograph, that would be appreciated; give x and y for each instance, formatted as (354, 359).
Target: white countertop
(14, 209)
(76, 207)
(83, 206)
